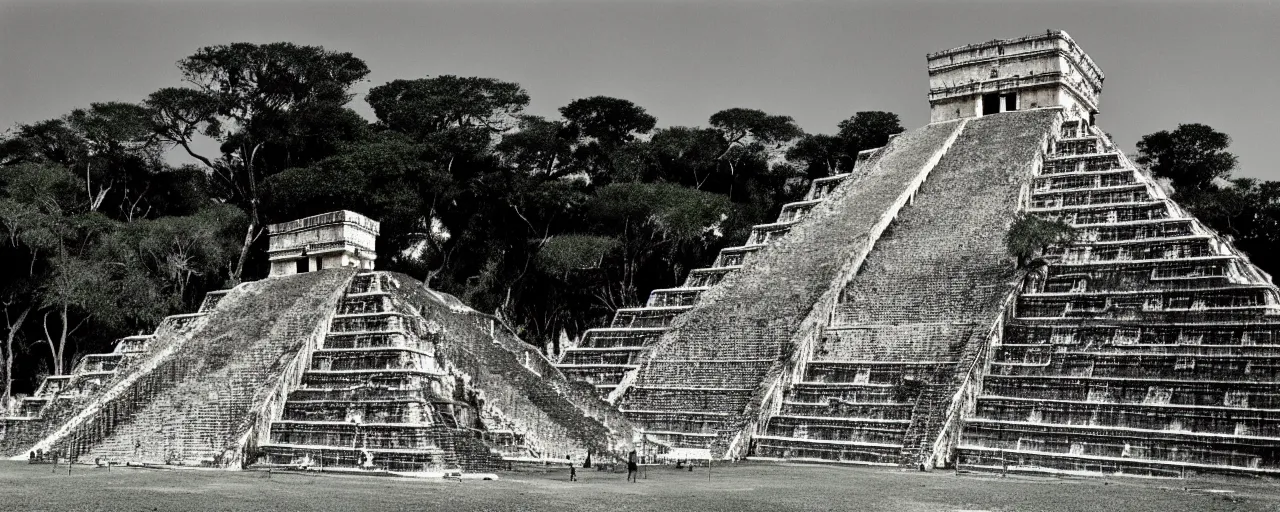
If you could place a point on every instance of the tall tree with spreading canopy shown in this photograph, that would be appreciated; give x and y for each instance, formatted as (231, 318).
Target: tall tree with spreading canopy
(269, 106)
(751, 136)
(820, 155)
(110, 145)
(605, 125)
(867, 130)
(1191, 156)
(459, 114)
(540, 147)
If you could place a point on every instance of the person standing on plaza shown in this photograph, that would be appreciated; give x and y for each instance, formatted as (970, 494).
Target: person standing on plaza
(632, 467)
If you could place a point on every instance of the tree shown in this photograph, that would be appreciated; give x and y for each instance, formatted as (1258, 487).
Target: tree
(15, 315)
(749, 136)
(867, 130)
(1192, 156)
(77, 289)
(820, 155)
(270, 107)
(681, 154)
(568, 253)
(655, 225)
(110, 144)
(1030, 235)
(450, 108)
(605, 125)
(611, 122)
(171, 255)
(540, 147)
(742, 126)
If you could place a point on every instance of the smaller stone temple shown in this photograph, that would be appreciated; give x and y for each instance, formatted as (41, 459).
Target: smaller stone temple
(335, 239)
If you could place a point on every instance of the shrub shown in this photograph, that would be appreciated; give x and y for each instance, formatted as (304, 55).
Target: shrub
(1030, 235)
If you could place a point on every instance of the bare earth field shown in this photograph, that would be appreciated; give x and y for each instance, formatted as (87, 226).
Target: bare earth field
(740, 487)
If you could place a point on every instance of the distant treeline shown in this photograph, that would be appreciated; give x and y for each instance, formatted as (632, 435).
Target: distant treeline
(550, 223)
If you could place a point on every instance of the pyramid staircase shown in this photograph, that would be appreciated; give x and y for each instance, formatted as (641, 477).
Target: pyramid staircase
(1147, 346)
(606, 354)
(373, 396)
(96, 370)
(709, 382)
(880, 384)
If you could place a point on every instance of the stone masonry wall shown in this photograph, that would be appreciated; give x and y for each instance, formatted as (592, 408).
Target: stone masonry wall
(915, 320)
(742, 330)
(196, 403)
(512, 384)
(23, 436)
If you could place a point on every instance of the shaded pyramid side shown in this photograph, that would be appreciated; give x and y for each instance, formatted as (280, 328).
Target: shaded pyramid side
(60, 397)
(192, 401)
(518, 391)
(705, 380)
(898, 361)
(409, 380)
(606, 354)
(1149, 345)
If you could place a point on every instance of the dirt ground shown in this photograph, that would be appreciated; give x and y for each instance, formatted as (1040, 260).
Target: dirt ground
(731, 487)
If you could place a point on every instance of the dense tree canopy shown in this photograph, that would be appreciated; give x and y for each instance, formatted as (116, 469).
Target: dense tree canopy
(1192, 156)
(550, 222)
(1195, 159)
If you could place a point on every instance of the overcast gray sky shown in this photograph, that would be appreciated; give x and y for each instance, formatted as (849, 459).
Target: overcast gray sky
(1166, 63)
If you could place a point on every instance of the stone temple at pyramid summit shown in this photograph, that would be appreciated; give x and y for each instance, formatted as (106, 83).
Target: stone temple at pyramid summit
(881, 320)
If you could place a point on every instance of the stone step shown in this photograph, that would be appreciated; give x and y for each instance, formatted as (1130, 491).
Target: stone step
(618, 337)
(1121, 443)
(735, 256)
(1202, 419)
(820, 188)
(1259, 394)
(1226, 368)
(873, 372)
(797, 449)
(647, 317)
(862, 430)
(362, 340)
(363, 304)
(973, 458)
(1113, 215)
(579, 357)
(603, 377)
(710, 276)
(797, 210)
(763, 234)
(837, 409)
(666, 297)
(211, 300)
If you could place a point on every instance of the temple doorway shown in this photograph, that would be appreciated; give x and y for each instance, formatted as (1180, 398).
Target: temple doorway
(990, 104)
